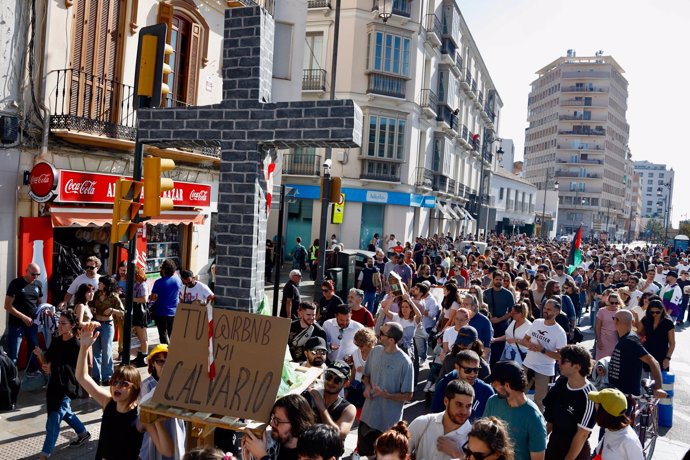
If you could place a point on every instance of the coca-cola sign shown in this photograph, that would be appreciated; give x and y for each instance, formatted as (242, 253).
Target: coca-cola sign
(42, 182)
(85, 187)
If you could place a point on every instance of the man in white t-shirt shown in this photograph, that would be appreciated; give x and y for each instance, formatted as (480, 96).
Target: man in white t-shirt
(544, 339)
(90, 276)
(649, 284)
(441, 436)
(340, 333)
(193, 290)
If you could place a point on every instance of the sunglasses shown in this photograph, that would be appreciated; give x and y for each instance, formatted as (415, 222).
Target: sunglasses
(160, 362)
(340, 334)
(121, 383)
(331, 377)
(90, 267)
(654, 312)
(475, 455)
(471, 370)
(319, 352)
(34, 274)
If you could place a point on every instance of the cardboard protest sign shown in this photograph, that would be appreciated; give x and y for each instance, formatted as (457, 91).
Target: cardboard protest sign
(248, 350)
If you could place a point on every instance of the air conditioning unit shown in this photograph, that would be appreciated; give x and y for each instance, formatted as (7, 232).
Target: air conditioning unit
(9, 129)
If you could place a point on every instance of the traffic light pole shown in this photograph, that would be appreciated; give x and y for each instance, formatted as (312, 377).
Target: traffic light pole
(131, 261)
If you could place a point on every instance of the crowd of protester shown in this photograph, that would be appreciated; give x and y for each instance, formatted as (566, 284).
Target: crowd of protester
(498, 328)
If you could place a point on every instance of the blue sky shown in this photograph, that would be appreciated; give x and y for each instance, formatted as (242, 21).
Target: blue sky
(648, 39)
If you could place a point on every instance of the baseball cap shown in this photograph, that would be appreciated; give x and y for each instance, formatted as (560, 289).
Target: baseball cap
(611, 399)
(506, 371)
(340, 368)
(673, 274)
(160, 348)
(467, 335)
(316, 343)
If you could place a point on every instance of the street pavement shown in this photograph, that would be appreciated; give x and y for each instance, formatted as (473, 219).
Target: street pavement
(22, 431)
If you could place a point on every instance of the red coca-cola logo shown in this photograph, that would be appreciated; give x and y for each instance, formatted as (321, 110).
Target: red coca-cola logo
(42, 182)
(86, 187)
(200, 195)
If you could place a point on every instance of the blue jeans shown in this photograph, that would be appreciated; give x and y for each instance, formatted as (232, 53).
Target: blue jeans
(369, 301)
(53, 425)
(14, 342)
(422, 345)
(103, 352)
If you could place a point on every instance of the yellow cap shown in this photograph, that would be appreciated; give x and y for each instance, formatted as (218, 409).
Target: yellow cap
(612, 400)
(160, 348)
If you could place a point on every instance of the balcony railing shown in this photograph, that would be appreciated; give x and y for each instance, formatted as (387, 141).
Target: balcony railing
(474, 86)
(299, 164)
(433, 25)
(425, 178)
(468, 77)
(319, 4)
(489, 113)
(452, 187)
(313, 80)
(440, 183)
(583, 89)
(386, 85)
(380, 170)
(585, 132)
(577, 175)
(480, 98)
(449, 48)
(465, 133)
(428, 99)
(446, 115)
(580, 147)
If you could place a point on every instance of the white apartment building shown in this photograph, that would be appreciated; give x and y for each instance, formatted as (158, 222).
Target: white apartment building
(578, 136)
(656, 190)
(431, 117)
(515, 201)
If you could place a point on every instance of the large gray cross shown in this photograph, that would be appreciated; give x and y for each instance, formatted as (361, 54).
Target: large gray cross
(248, 128)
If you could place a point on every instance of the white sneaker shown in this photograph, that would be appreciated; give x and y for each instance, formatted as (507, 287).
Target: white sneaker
(428, 386)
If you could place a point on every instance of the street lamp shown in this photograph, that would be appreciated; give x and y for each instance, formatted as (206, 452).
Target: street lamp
(665, 199)
(383, 14)
(543, 210)
(482, 186)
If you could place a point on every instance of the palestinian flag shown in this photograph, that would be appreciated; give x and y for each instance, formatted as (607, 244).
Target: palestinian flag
(575, 256)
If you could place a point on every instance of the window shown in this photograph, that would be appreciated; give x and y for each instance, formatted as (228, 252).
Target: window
(650, 181)
(649, 203)
(386, 137)
(282, 50)
(660, 182)
(313, 51)
(649, 189)
(500, 194)
(391, 54)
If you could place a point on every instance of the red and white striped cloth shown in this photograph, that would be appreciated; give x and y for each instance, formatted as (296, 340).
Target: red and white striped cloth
(269, 169)
(211, 364)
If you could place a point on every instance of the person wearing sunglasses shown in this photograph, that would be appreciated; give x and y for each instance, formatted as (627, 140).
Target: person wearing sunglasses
(488, 440)
(525, 423)
(328, 303)
(467, 369)
(340, 333)
(328, 406)
(24, 295)
(315, 352)
(440, 436)
(174, 427)
(659, 332)
(122, 432)
(90, 276)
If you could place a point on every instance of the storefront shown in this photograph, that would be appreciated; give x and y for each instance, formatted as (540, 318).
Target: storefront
(76, 220)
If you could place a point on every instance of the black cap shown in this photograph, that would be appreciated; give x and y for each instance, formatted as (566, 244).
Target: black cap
(315, 343)
(340, 368)
(672, 273)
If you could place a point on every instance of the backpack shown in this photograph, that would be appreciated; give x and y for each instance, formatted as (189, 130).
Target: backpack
(9, 382)
(300, 253)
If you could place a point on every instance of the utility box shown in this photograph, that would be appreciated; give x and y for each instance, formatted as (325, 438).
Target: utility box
(9, 129)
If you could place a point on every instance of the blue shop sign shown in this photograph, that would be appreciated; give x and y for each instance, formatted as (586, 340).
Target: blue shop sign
(369, 196)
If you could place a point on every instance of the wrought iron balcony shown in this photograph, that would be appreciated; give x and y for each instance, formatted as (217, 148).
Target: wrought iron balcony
(386, 85)
(440, 183)
(313, 80)
(450, 52)
(452, 187)
(319, 4)
(428, 101)
(433, 29)
(380, 170)
(447, 116)
(583, 89)
(584, 132)
(480, 98)
(300, 164)
(425, 178)
(465, 134)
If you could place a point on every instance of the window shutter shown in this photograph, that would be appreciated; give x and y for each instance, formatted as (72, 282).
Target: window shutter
(193, 68)
(165, 15)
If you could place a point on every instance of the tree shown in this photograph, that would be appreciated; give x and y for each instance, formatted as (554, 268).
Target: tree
(654, 229)
(684, 228)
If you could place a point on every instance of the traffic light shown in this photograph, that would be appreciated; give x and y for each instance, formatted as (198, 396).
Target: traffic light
(155, 184)
(125, 209)
(151, 70)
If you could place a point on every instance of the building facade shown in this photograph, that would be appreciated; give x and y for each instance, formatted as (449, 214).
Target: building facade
(515, 203)
(431, 118)
(578, 136)
(656, 191)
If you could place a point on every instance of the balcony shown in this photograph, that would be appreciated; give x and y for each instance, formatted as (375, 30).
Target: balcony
(584, 132)
(465, 136)
(425, 178)
(577, 174)
(450, 55)
(580, 103)
(585, 147)
(441, 183)
(380, 170)
(386, 85)
(452, 187)
(490, 115)
(299, 164)
(428, 101)
(400, 7)
(581, 118)
(583, 89)
(447, 118)
(480, 98)
(99, 111)
(585, 75)
(314, 80)
(433, 30)
(319, 4)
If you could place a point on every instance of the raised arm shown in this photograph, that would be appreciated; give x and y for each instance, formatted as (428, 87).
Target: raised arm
(87, 338)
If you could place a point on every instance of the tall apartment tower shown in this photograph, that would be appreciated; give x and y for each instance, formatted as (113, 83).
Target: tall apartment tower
(578, 136)
(657, 190)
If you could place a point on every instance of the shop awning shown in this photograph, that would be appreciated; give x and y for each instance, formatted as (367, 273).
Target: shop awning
(101, 218)
(452, 213)
(442, 207)
(462, 215)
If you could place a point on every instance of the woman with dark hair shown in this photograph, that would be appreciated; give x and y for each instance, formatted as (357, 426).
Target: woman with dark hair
(107, 304)
(393, 444)
(639, 311)
(120, 279)
(82, 299)
(659, 332)
(488, 440)
(450, 304)
(573, 292)
(121, 431)
(140, 314)
(620, 439)
(440, 275)
(60, 362)
(329, 301)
